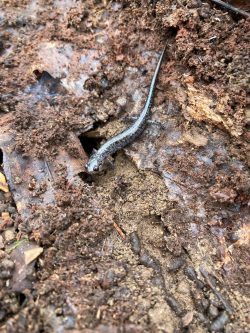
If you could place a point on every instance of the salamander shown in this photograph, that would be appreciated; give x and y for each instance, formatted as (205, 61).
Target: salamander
(127, 136)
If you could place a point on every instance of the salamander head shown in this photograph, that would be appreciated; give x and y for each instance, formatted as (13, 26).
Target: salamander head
(93, 165)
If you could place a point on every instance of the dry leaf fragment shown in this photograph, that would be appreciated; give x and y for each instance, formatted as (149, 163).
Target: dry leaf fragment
(32, 254)
(3, 184)
(23, 275)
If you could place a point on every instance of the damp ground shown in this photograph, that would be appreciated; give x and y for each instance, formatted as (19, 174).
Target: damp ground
(158, 240)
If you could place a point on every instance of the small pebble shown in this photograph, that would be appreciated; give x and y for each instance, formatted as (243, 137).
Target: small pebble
(204, 11)
(176, 264)
(174, 305)
(135, 242)
(158, 281)
(9, 236)
(7, 264)
(149, 261)
(213, 311)
(5, 275)
(11, 210)
(204, 303)
(201, 317)
(219, 323)
(104, 83)
(234, 237)
(3, 208)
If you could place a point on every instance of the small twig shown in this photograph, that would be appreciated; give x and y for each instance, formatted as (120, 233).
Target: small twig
(210, 283)
(119, 230)
(230, 7)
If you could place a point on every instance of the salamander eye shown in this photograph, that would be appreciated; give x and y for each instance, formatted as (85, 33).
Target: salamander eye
(95, 168)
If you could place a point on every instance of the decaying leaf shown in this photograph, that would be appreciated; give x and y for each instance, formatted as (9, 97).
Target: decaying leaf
(200, 108)
(23, 255)
(19, 170)
(32, 254)
(3, 184)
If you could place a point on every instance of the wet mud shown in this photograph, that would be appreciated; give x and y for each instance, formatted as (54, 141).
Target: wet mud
(158, 241)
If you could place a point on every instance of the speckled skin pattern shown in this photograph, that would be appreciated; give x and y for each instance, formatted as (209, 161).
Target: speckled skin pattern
(130, 134)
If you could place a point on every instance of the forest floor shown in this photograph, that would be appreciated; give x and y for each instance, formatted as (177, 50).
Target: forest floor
(158, 241)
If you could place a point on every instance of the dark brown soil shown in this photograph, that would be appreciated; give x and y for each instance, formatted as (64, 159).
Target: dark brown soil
(158, 241)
